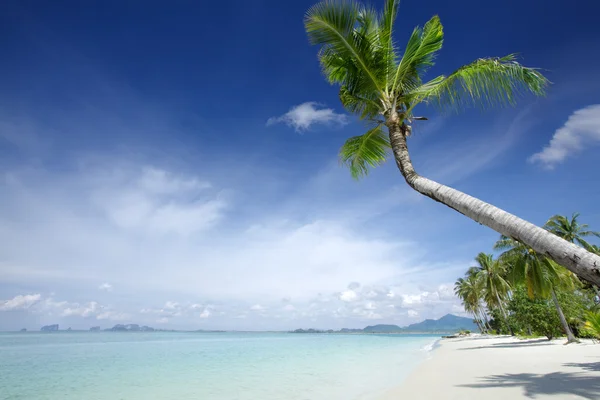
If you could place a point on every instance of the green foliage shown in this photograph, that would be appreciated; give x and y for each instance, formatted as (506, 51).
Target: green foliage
(357, 52)
(491, 274)
(592, 324)
(499, 325)
(570, 229)
(368, 150)
(535, 316)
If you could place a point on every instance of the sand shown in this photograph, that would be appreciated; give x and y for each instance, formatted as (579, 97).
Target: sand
(505, 368)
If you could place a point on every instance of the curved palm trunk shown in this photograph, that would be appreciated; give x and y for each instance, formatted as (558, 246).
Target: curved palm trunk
(504, 314)
(477, 322)
(576, 259)
(483, 321)
(570, 337)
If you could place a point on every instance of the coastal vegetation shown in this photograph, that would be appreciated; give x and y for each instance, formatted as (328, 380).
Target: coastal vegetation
(523, 292)
(384, 87)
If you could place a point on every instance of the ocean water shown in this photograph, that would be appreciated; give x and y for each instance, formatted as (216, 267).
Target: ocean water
(199, 366)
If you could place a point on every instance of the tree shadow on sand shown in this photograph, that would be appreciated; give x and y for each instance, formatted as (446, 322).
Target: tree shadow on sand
(593, 366)
(566, 383)
(516, 344)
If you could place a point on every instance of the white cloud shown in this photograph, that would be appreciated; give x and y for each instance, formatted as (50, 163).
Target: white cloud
(206, 313)
(413, 313)
(348, 295)
(303, 116)
(20, 302)
(257, 307)
(581, 129)
(152, 200)
(171, 305)
(105, 286)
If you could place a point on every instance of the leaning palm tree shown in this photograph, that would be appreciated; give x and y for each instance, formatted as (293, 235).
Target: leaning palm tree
(540, 275)
(571, 230)
(383, 87)
(490, 273)
(468, 289)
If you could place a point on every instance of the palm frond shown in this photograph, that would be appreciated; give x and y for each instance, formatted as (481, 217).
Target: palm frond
(485, 82)
(347, 30)
(387, 19)
(419, 54)
(357, 104)
(360, 153)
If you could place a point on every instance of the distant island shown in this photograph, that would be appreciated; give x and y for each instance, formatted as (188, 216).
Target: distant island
(95, 329)
(130, 328)
(446, 324)
(49, 328)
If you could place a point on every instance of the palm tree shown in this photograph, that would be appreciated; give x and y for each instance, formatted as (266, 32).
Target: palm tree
(574, 232)
(490, 273)
(468, 289)
(381, 86)
(540, 275)
(571, 230)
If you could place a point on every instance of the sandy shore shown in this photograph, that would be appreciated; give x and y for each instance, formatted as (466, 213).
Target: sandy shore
(505, 368)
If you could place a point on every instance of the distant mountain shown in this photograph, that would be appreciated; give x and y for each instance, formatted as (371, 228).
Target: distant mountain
(448, 323)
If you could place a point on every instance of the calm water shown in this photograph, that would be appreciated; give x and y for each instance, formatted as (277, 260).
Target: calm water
(200, 366)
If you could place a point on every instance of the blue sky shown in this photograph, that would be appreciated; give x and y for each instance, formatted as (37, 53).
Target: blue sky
(175, 164)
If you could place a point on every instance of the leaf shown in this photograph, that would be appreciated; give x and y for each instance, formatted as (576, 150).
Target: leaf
(370, 150)
(484, 82)
(333, 24)
(419, 54)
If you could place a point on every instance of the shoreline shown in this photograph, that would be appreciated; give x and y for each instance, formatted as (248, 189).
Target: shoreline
(504, 367)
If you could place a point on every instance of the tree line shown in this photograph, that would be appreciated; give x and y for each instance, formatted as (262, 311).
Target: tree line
(523, 292)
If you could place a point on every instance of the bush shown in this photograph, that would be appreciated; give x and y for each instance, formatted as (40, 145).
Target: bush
(592, 325)
(533, 317)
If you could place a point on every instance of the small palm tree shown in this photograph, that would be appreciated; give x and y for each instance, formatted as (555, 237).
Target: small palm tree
(571, 230)
(490, 273)
(540, 275)
(383, 87)
(469, 290)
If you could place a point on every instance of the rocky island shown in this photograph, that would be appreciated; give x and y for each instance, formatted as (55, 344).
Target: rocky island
(49, 328)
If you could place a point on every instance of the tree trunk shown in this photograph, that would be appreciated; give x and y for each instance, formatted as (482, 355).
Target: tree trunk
(570, 337)
(487, 322)
(477, 322)
(576, 259)
(504, 314)
(483, 322)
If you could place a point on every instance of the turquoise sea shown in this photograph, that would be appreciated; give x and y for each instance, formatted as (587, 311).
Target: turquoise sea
(220, 366)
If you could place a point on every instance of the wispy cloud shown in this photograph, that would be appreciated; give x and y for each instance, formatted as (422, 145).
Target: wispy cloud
(153, 200)
(581, 129)
(452, 163)
(20, 302)
(305, 115)
(106, 286)
(39, 304)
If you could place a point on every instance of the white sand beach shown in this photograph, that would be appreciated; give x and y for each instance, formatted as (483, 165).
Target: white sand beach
(505, 368)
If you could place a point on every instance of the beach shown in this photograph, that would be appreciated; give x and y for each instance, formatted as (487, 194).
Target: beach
(505, 368)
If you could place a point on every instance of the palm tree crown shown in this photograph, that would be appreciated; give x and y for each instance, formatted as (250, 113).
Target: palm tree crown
(491, 274)
(376, 81)
(571, 230)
